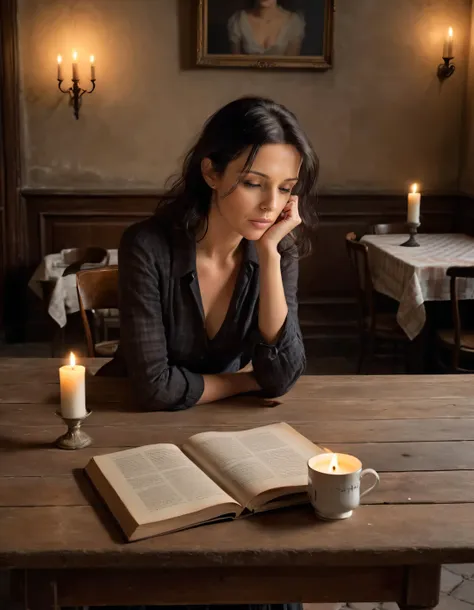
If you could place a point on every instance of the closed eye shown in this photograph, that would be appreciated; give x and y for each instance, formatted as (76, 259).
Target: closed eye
(283, 190)
(251, 184)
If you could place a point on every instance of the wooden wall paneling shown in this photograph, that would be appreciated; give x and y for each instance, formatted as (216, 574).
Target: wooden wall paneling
(58, 220)
(13, 222)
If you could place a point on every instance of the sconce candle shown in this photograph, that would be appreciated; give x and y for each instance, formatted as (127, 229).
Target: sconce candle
(72, 383)
(60, 68)
(414, 199)
(448, 44)
(75, 69)
(92, 58)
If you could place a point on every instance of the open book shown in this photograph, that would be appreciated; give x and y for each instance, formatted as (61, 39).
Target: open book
(160, 488)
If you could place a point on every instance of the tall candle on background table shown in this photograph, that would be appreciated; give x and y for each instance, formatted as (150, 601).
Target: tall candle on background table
(449, 44)
(72, 383)
(75, 69)
(414, 199)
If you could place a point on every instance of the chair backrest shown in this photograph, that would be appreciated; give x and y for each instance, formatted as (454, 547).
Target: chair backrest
(391, 228)
(82, 256)
(456, 273)
(359, 260)
(96, 289)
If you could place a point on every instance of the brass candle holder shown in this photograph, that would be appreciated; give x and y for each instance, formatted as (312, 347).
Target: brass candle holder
(412, 230)
(75, 437)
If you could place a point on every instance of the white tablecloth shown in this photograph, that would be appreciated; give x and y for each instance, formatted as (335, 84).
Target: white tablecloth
(415, 275)
(64, 296)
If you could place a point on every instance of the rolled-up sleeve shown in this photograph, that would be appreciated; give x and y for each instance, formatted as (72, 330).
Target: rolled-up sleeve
(157, 385)
(277, 367)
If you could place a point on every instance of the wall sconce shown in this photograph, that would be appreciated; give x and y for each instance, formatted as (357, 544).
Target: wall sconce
(447, 69)
(75, 92)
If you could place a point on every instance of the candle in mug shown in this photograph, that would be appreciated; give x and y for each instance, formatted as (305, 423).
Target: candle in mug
(60, 68)
(448, 44)
(414, 199)
(75, 69)
(72, 383)
(92, 58)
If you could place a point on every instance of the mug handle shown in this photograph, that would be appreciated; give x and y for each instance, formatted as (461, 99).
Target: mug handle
(374, 474)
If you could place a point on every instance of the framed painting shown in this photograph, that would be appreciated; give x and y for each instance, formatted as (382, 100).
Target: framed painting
(265, 33)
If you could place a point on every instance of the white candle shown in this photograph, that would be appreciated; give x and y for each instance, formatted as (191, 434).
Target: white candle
(414, 199)
(75, 70)
(72, 383)
(92, 58)
(60, 68)
(448, 44)
(335, 463)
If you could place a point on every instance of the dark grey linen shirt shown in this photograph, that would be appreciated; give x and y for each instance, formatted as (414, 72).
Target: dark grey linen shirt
(164, 347)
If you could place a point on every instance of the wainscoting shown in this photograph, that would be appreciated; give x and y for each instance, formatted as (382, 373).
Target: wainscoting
(57, 220)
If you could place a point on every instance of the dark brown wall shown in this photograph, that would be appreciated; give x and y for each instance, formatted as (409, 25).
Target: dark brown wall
(64, 220)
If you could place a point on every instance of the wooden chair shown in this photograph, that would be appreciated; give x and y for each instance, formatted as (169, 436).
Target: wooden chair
(373, 324)
(97, 289)
(458, 342)
(391, 228)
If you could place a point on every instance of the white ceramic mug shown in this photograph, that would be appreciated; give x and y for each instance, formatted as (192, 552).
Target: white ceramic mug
(334, 481)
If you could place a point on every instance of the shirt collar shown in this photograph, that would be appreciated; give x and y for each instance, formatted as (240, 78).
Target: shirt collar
(184, 253)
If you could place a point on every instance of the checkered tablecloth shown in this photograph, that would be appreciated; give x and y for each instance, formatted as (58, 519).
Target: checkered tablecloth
(415, 275)
(64, 296)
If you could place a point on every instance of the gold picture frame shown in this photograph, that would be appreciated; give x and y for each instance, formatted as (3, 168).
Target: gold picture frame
(225, 36)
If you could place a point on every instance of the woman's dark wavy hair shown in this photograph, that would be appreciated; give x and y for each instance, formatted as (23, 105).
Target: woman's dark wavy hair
(247, 123)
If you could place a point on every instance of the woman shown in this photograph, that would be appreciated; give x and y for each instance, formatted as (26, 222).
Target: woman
(266, 29)
(208, 284)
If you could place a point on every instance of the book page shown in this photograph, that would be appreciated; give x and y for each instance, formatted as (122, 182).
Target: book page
(158, 482)
(250, 462)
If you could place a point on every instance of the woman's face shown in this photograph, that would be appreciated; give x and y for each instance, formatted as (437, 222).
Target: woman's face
(262, 192)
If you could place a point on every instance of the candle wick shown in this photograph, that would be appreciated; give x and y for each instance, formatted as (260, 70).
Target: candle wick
(334, 469)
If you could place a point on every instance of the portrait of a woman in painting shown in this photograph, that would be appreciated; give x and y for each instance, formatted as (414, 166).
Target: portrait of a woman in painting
(265, 33)
(266, 28)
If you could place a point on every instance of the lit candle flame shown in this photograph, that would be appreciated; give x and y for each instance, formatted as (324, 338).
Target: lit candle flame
(450, 33)
(74, 55)
(333, 464)
(60, 59)
(72, 360)
(92, 58)
(414, 188)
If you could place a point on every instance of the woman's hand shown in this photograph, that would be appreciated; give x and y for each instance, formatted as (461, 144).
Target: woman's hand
(289, 220)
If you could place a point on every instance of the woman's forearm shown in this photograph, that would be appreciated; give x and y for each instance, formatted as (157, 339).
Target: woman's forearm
(217, 387)
(273, 308)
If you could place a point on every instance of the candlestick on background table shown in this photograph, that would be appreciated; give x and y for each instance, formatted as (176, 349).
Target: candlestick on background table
(413, 216)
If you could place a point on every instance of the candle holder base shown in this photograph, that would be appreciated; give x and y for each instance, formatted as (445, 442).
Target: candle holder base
(74, 438)
(412, 230)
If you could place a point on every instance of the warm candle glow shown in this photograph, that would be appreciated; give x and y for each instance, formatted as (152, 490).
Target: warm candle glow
(60, 59)
(450, 32)
(74, 55)
(414, 188)
(92, 58)
(333, 464)
(72, 360)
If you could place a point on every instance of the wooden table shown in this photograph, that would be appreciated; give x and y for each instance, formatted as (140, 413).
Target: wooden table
(65, 549)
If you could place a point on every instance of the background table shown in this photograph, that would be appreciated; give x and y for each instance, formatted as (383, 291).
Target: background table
(415, 275)
(65, 548)
(63, 295)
